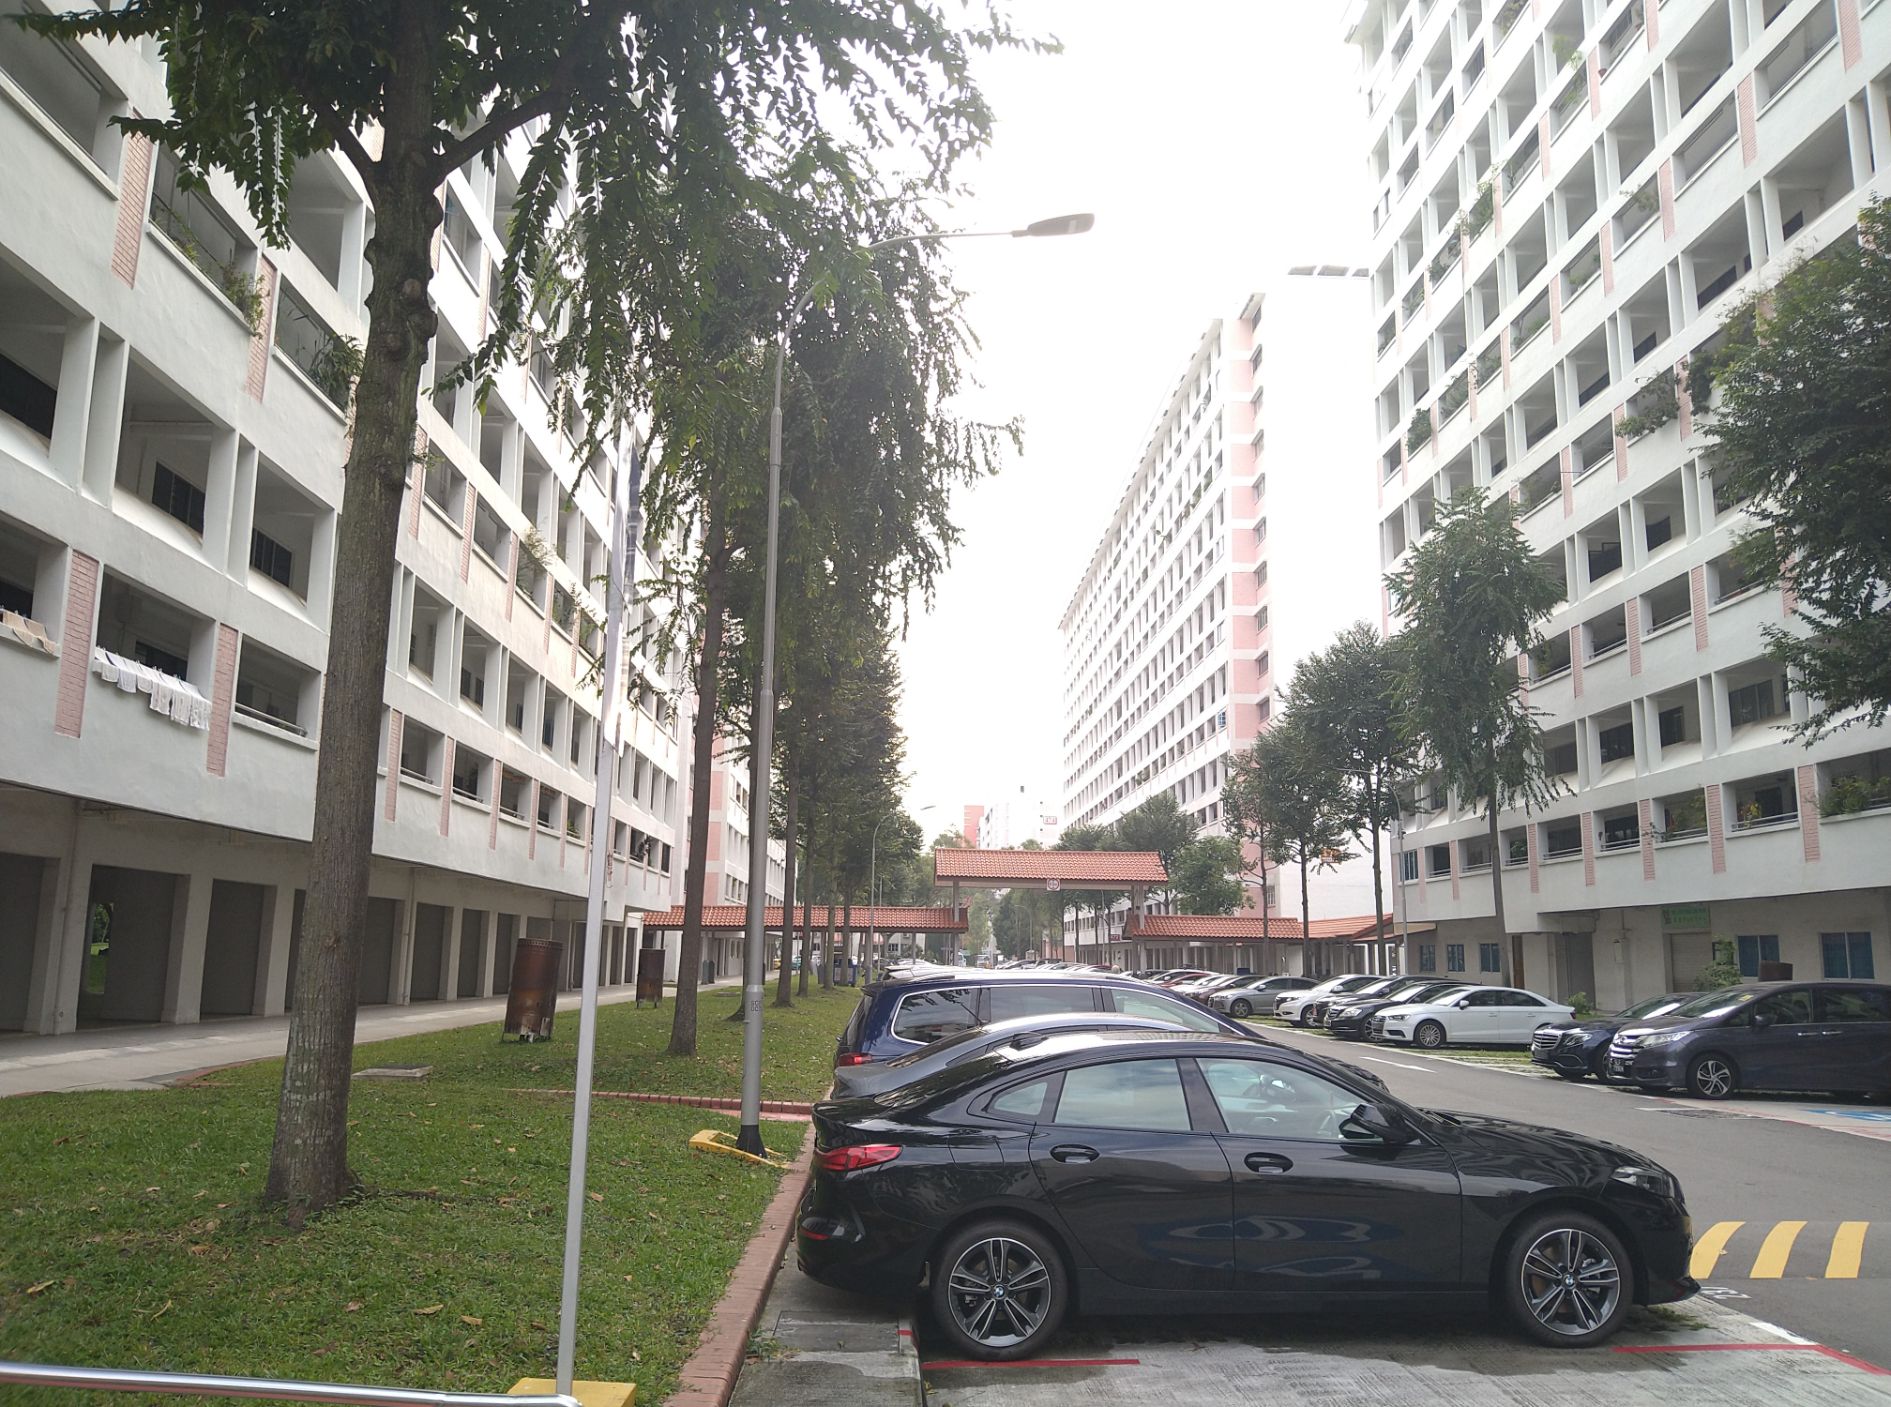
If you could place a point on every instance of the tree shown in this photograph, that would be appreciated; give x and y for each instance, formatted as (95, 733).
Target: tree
(1203, 880)
(665, 124)
(1156, 824)
(1802, 431)
(1284, 790)
(1472, 594)
(1347, 697)
(1097, 902)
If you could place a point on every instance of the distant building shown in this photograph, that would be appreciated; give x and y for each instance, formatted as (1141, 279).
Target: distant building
(1238, 546)
(1567, 201)
(973, 825)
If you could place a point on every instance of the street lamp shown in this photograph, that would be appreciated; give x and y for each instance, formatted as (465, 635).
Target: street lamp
(873, 877)
(749, 1140)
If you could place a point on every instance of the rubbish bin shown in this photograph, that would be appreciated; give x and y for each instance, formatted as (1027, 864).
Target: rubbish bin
(709, 971)
(532, 1000)
(650, 976)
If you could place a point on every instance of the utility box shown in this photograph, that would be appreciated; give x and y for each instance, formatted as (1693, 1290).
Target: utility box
(650, 976)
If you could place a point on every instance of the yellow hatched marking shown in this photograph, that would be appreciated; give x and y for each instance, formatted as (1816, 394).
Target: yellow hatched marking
(1848, 1249)
(1774, 1250)
(1707, 1250)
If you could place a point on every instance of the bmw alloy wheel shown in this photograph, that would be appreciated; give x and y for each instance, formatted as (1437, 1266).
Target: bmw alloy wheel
(999, 1292)
(1570, 1282)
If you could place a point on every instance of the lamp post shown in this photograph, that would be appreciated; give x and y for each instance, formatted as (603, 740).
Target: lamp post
(749, 1140)
(873, 877)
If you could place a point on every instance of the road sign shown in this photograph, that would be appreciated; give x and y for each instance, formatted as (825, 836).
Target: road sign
(1053, 884)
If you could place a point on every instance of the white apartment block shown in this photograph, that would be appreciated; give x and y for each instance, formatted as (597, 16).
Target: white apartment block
(726, 864)
(170, 479)
(1239, 545)
(1647, 165)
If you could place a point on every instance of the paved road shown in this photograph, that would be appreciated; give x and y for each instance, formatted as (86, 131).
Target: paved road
(1792, 1219)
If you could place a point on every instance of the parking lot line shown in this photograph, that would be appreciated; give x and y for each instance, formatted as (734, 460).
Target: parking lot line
(1707, 1250)
(1774, 1250)
(938, 1363)
(1848, 1250)
(1818, 1348)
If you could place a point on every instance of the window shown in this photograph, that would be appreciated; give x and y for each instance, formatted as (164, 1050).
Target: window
(1490, 957)
(271, 558)
(1009, 1001)
(1427, 957)
(157, 658)
(1126, 1094)
(1673, 722)
(1160, 1008)
(1756, 948)
(179, 497)
(26, 398)
(1790, 1008)
(1854, 1006)
(1261, 1100)
(924, 1017)
(1408, 865)
(1752, 703)
(1025, 1101)
(1847, 954)
(1617, 742)
(1454, 957)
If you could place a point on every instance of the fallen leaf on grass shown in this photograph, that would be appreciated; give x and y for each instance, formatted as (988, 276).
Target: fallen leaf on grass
(472, 1319)
(430, 1309)
(537, 1325)
(200, 1249)
(597, 1196)
(36, 1289)
(162, 1312)
(351, 1306)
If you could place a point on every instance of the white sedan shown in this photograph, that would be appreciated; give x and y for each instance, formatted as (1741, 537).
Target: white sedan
(1480, 1016)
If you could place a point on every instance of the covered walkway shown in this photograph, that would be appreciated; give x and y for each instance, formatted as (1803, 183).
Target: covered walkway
(897, 930)
(1248, 941)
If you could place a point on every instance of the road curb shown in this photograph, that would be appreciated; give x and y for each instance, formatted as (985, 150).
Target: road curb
(909, 1358)
(708, 1378)
(771, 1108)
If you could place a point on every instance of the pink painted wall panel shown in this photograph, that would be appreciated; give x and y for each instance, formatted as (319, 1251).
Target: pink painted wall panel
(1716, 830)
(75, 645)
(395, 719)
(1575, 660)
(222, 695)
(1849, 41)
(1808, 778)
(1456, 868)
(1631, 610)
(1588, 819)
(446, 788)
(1697, 604)
(1620, 447)
(1530, 850)
(1744, 113)
(471, 497)
(1645, 810)
(134, 182)
(256, 374)
(1664, 180)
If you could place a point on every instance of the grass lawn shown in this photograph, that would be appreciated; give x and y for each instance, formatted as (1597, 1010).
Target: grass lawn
(130, 1234)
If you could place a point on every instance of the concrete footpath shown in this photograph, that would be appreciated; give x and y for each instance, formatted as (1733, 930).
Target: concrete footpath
(825, 1348)
(148, 1057)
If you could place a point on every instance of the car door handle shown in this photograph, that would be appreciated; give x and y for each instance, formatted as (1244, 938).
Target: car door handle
(1074, 1153)
(1268, 1163)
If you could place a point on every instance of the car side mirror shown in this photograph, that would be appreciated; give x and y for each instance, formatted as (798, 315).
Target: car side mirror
(1379, 1122)
(1461, 1003)
(1762, 1019)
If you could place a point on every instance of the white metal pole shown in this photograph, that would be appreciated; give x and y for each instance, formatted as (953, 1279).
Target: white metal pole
(627, 518)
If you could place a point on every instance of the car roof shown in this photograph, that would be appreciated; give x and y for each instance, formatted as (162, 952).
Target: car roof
(980, 977)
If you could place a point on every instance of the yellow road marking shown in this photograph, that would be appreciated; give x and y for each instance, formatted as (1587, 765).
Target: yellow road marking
(1774, 1250)
(1848, 1248)
(1708, 1249)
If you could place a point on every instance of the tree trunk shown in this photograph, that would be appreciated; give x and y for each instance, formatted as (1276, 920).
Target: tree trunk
(827, 966)
(1306, 906)
(847, 927)
(1378, 879)
(695, 873)
(807, 888)
(1497, 901)
(791, 798)
(308, 1163)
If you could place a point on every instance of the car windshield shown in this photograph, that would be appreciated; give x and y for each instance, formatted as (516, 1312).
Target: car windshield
(1655, 1006)
(1717, 1003)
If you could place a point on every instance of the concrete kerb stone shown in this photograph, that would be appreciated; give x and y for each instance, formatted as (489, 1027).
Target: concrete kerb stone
(771, 1108)
(709, 1376)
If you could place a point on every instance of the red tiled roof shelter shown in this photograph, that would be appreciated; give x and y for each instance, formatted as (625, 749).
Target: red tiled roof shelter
(1247, 928)
(1034, 869)
(886, 918)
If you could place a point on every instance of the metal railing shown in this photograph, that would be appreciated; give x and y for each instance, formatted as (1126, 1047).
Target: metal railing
(273, 1389)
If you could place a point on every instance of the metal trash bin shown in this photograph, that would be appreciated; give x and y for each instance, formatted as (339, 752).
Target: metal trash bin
(709, 971)
(532, 1000)
(650, 976)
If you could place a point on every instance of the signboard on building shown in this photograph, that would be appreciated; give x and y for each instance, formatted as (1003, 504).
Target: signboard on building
(1684, 916)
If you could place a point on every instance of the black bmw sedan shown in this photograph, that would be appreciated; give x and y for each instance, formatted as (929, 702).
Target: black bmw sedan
(1187, 1172)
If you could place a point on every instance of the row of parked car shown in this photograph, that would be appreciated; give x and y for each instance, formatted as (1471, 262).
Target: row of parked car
(1020, 1141)
(1772, 1036)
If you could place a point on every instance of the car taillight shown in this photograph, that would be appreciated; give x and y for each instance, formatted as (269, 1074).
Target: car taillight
(857, 1156)
(853, 1057)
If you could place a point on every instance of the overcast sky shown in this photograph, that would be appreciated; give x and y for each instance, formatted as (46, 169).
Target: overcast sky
(1216, 141)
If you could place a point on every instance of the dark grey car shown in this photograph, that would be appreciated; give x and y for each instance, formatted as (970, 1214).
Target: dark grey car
(1764, 1036)
(878, 1076)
